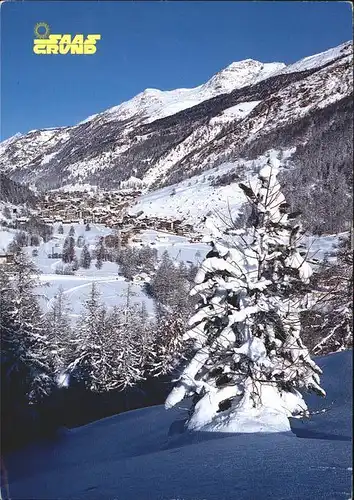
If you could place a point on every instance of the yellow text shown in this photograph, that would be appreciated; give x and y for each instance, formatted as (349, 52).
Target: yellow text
(66, 44)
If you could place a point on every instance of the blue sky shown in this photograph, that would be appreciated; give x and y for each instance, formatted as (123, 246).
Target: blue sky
(146, 44)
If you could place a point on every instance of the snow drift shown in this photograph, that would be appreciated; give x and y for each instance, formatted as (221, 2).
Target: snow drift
(132, 456)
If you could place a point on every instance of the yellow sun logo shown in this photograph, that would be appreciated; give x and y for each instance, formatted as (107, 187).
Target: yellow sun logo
(41, 30)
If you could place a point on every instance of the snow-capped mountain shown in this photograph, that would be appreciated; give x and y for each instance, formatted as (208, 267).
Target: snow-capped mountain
(153, 104)
(162, 137)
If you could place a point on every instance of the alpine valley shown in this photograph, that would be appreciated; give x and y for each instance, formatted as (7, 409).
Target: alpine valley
(154, 254)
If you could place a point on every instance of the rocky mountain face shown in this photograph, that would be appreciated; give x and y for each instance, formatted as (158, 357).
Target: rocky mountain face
(163, 137)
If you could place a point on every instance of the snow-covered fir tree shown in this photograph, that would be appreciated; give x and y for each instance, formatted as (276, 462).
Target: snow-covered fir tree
(249, 365)
(111, 348)
(147, 259)
(130, 347)
(168, 346)
(127, 260)
(332, 313)
(26, 356)
(59, 332)
(170, 289)
(89, 364)
(80, 242)
(170, 285)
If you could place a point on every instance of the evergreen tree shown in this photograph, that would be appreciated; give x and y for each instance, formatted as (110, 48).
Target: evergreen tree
(169, 285)
(80, 242)
(111, 350)
(147, 258)
(89, 365)
(173, 307)
(329, 327)
(25, 352)
(20, 240)
(75, 264)
(87, 227)
(127, 261)
(85, 258)
(59, 332)
(60, 229)
(72, 231)
(130, 346)
(248, 359)
(100, 253)
(168, 346)
(34, 240)
(68, 250)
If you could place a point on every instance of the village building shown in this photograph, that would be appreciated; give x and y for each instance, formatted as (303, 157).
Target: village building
(6, 258)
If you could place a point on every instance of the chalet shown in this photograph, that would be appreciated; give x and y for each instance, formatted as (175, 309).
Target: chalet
(6, 258)
(55, 255)
(22, 220)
(195, 239)
(165, 224)
(177, 223)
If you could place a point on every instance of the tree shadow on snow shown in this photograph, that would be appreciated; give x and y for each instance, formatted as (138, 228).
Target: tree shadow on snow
(308, 434)
(178, 436)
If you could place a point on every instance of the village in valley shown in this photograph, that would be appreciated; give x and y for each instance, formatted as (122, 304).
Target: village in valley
(109, 209)
(75, 238)
(176, 270)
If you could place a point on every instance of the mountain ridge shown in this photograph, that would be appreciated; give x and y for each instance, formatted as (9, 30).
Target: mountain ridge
(157, 135)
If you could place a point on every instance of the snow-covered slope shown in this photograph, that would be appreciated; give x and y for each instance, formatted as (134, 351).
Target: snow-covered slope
(153, 104)
(210, 207)
(160, 136)
(317, 60)
(143, 455)
(199, 200)
(285, 104)
(5, 144)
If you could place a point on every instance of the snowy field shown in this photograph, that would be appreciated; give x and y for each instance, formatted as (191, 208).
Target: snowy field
(6, 236)
(113, 287)
(142, 455)
(77, 287)
(178, 247)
